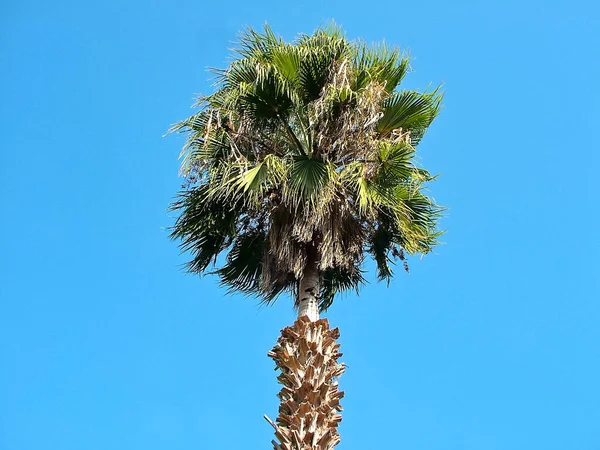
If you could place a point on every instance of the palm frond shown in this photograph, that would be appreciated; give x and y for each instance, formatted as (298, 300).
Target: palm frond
(307, 177)
(205, 228)
(381, 64)
(379, 245)
(409, 111)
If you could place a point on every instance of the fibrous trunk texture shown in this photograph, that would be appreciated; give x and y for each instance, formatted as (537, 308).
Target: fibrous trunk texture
(307, 356)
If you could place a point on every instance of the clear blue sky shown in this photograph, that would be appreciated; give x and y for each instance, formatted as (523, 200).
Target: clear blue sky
(493, 343)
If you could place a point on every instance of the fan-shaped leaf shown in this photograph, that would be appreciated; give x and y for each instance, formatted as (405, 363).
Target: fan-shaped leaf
(409, 111)
(307, 177)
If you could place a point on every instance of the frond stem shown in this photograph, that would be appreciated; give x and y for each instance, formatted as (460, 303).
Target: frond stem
(292, 135)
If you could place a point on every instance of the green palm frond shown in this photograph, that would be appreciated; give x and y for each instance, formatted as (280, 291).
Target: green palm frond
(286, 60)
(205, 228)
(255, 178)
(409, 111)
(307, 177)
(395, 161)
(252, 44)
(254, 182)
(242, 270)
(382, 64)
(380, 244)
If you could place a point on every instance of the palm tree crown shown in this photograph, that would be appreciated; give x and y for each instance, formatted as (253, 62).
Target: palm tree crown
(304, 154)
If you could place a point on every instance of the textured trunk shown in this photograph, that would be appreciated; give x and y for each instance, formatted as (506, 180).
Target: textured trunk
(307, 354)
(308, 291)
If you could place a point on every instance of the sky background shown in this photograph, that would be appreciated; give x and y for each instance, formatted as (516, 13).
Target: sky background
(491, 343)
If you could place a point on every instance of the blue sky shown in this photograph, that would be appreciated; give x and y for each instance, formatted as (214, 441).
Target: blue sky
(491, 343)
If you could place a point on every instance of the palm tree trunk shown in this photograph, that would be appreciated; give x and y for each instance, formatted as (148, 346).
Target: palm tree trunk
(307, 354)
(308, 291)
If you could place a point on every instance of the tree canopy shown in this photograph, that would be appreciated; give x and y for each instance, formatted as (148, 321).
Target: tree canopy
(306, 148)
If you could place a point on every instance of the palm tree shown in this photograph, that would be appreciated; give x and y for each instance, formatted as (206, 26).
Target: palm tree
(298, 167)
